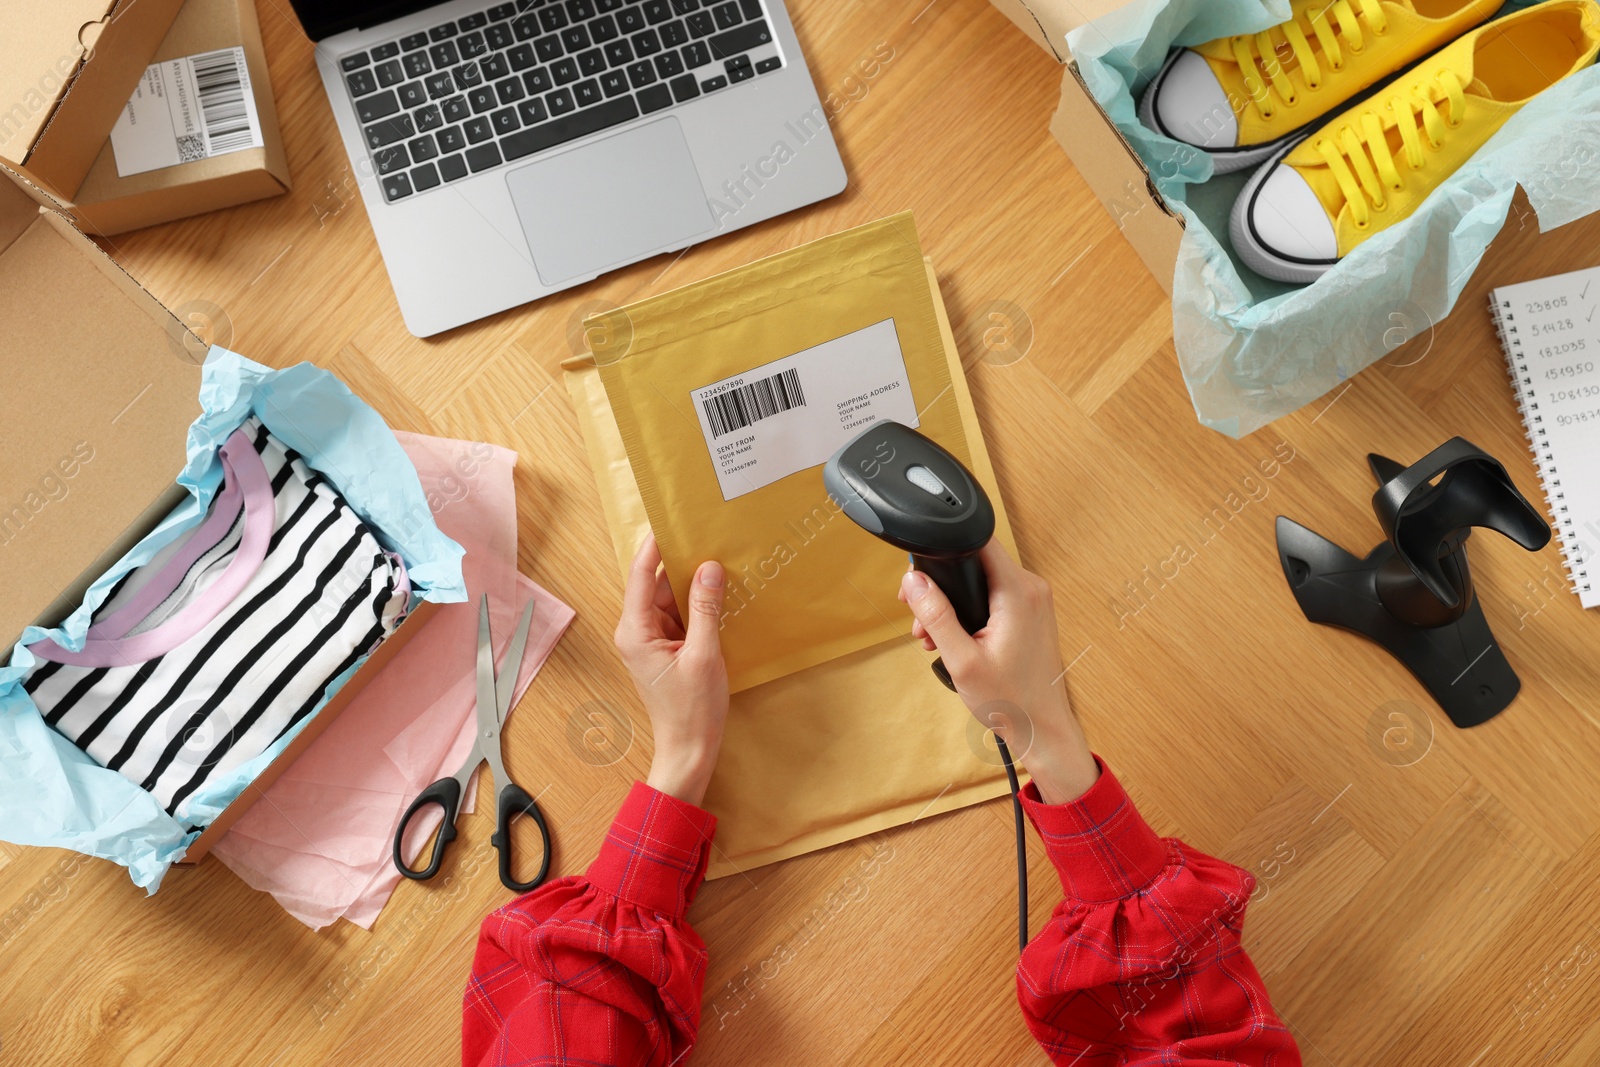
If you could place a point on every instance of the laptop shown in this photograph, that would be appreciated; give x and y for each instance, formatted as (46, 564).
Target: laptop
(507, 151)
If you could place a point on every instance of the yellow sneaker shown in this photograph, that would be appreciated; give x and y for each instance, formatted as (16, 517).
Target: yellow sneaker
(1239, 99)
(1373, 165)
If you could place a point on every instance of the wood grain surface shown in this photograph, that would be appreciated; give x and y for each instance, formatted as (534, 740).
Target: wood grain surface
(1427, 895)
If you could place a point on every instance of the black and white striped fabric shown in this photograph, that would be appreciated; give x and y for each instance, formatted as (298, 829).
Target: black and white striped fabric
(210, 652)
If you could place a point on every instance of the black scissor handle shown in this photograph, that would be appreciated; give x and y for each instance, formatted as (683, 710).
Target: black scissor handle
(513, 801)
(446, 793)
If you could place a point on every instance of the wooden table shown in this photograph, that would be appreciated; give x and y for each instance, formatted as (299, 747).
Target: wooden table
(1427, 895)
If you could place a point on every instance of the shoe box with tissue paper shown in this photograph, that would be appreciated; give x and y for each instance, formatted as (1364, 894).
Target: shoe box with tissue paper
(150, 115)
(111, 419)
(1253, 347)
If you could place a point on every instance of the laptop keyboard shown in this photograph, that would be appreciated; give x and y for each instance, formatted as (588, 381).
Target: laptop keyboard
(497, 86)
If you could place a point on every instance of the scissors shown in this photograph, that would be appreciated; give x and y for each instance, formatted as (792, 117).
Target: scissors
(494, 704)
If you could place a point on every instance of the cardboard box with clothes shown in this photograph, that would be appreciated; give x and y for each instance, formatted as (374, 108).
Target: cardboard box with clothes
(117, 484)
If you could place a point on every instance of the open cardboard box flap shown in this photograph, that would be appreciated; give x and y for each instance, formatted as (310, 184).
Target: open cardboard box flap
(67, 68)
(93, 417)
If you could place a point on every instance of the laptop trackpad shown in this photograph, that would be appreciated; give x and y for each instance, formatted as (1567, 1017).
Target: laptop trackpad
(610, 202)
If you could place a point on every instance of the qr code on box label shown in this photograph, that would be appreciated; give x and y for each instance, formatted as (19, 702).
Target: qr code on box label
(191, 147)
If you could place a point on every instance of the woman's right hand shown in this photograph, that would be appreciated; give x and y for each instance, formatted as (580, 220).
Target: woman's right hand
(1009, 673)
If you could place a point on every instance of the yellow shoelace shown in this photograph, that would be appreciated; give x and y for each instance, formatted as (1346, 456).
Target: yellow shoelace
(1371, 176)
(1257, 54)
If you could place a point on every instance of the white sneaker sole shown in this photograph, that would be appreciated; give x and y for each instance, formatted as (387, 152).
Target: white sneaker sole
(1256, 255)
(1224, 160)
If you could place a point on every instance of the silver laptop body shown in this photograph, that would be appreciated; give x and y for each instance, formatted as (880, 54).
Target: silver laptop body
(508, 151)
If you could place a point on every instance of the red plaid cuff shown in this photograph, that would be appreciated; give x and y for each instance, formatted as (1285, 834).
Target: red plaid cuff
(655, 854)
(1101, 846)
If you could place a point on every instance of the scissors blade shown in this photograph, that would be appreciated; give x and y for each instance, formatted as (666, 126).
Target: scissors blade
(488, 715)
(506, 684)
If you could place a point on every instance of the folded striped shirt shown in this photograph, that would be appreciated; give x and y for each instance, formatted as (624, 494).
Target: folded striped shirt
(228, 638)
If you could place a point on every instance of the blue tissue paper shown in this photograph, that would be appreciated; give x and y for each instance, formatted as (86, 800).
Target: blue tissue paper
(53, 794)
(1251, 349)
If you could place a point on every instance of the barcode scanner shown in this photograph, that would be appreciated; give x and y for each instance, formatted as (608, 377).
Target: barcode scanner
(903, 488)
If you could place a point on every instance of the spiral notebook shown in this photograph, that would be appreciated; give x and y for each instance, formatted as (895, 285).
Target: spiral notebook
(1551, 335)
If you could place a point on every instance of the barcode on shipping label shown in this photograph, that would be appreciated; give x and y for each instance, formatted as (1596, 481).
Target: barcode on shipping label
(187, 109)
(738, 408)
(220, 81)
(795, 412)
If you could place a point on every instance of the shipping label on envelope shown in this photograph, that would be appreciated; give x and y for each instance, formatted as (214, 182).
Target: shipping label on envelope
(795, 412)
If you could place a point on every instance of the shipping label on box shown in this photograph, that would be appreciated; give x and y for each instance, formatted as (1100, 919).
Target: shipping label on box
(185, 110)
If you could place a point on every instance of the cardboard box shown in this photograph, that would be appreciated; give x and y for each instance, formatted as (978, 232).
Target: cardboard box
(93, 422)
(1097, 148)
(108, 203)
(67, 67)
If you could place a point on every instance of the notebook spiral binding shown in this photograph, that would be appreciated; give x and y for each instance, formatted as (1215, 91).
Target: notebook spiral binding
(1539, 444)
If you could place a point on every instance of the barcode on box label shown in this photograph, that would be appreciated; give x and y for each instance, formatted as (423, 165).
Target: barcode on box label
(219, 79)
(747, 404)
(185, 110)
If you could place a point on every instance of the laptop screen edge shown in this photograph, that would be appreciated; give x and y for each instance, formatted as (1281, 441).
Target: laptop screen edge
(324, 18)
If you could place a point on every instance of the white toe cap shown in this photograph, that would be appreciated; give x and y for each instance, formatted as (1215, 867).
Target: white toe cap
(1193, 106)
(1289, 220)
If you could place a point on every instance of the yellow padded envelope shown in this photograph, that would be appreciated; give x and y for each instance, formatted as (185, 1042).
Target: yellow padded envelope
(729, 395)
(849, 746)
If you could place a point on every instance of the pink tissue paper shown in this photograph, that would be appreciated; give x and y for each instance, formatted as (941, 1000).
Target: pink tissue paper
(320, 839)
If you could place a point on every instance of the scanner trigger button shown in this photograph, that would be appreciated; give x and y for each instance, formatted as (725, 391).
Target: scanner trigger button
(925, 479)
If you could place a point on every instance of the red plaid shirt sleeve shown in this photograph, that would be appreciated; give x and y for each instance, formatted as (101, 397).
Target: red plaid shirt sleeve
(602, 968)
(1141, 964)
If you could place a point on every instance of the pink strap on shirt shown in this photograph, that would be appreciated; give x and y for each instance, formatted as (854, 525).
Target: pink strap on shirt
(105, 645)
(224, 513)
